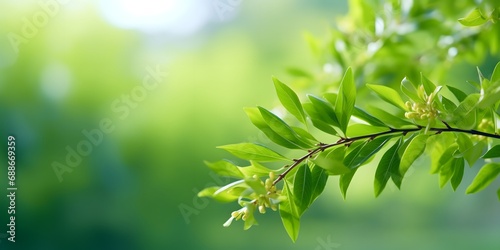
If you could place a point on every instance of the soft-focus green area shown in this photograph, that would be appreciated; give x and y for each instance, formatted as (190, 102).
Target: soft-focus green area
(131, 189)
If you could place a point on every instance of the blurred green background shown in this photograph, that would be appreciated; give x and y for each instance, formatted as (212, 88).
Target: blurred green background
(77, 62)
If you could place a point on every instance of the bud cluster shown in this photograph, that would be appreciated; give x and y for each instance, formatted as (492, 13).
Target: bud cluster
(424, 110)
(262, 201)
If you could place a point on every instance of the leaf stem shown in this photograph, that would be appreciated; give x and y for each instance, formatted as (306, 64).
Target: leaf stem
(347, 141)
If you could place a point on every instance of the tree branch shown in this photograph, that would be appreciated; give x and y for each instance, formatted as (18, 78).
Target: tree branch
(343, 141)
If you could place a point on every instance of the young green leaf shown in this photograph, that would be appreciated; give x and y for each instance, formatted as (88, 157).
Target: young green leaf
(465, 114)
(250, 151)
(364, 151)
(289, 100)
(255, 168)
(225, 168)
(458, 172)
(289, 214)
(388, 118)
(228, 196)
(495, 76)
(345, 180)
(304, 134)
(409, 89)
(256, 184)
(302, 188)
(257, 120)
(361, 114)
(389, 95)
(436, 146)
(331, 160)
(428, 85)
(494, 152)
(484, 177)
(459, 94)
(324, 110)
(345, 100)
(280, 127)
(388, 167)
(363, 129)
(317, 120)
(319, 177)
(474, 18)
(414, 150)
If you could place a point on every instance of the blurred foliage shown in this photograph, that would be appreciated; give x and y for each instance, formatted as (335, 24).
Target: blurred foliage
(128, 192)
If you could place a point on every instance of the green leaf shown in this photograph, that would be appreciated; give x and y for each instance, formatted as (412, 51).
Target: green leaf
(304, 134)
(345, 100)
(319, 177)
(331, 160)
(474, 18)
(458, 172)
(495, 76)
(280, 127)
(228, 196)
(255, 168)
(256, 184)
(436, 146)
(257, 120)
(289, 100)
(317, 120)
(345, 180)
(459, 94)
(498, 193)
(388, 118)
(364, 151)
(467, 149)
(409, 89)
(414, 150)
(428, 85)
(388, 168)
(494, 152)
(297, 72)
(361, 114)
(389, 95)
(302, 188)
(448, 104)
(486, 175)
(324, 110)
(250, 151)
(465, 114)
(289, 214)
(364, 129)
(225, 168)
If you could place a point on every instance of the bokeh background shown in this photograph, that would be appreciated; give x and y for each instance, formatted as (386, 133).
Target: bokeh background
(137, 188)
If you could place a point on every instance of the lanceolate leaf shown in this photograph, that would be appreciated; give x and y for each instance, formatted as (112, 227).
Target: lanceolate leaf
(280, 127)
(289, 213)
(415, 149)
(486, 175)
(388, 94)
(474, 18)
(458, 172)
(494, 152)
(319, 177)
(331, 160)
(409, 89)
(317, 120)
(459, 94)
(345, 100)
(289, 100)
(388, 168)
(250, 151)
(302, 188)
(345, 180)
(225, 168)
(465, 114)
(325, 110)
(361, 114)
(364, 151)
(258, 121)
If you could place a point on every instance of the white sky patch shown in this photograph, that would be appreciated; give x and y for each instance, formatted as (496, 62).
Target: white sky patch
(178, 17)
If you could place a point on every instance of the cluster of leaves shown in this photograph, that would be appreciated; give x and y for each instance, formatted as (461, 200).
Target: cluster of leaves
(453, 127)
(375, 37)
(457, 128)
